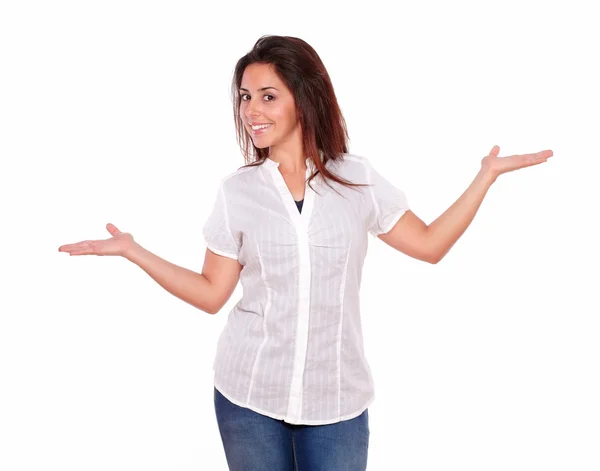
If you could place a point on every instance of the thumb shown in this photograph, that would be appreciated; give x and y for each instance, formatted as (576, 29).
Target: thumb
(495, 150)
(112, 229)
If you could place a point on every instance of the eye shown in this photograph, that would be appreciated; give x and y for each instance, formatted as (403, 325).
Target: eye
(245, 94)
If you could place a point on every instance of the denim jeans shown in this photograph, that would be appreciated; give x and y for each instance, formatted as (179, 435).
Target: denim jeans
(255, 442)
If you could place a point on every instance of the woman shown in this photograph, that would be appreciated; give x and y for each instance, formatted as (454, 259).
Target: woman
(292, 384)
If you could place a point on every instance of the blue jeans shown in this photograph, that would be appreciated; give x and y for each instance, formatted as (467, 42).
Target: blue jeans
(255, 442)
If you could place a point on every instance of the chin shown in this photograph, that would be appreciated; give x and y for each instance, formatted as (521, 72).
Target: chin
(261, 145)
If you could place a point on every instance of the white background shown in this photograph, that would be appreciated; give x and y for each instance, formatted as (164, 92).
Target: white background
(119, 111)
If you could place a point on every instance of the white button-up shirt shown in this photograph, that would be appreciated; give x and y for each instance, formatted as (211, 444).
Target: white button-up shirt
(292, 347)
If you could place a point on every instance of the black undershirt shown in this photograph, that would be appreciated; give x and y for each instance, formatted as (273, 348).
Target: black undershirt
(299, 205)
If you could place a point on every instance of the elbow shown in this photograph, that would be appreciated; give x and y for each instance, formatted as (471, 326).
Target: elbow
(434, 254)
(213, 310)
(209, 309)
(434, 258)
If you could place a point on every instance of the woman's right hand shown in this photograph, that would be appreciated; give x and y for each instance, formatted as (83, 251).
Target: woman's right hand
(119, 244)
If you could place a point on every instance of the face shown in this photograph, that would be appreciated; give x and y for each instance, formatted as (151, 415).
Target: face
(274, 106)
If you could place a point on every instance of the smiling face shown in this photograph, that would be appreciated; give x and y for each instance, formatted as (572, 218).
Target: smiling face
(274, 106)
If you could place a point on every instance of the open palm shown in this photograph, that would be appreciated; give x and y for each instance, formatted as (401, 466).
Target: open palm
(498, 165)
(119, 244)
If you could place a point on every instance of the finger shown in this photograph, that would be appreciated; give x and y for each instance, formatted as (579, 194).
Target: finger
(88, 248)
(77, 246)
(526, 160)
(112, 229)
(77, 249)
(540, 156)
(82, 252)
(544, 154)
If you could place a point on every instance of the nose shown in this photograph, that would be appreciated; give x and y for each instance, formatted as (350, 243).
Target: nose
(251, 110)
(251, 113)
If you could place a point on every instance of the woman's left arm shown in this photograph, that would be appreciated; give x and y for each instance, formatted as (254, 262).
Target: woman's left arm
(432, 242)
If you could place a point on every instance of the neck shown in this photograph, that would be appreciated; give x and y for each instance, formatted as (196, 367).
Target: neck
(290, 156)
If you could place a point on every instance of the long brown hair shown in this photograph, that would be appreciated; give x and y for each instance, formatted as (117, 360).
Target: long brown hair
(324, 132)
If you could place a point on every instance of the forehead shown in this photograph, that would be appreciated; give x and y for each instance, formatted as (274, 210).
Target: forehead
(260, 75)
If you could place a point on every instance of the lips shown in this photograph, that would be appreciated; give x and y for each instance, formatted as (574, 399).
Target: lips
(261, 130)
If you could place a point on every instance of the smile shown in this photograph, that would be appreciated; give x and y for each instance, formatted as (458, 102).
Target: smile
(261, 129)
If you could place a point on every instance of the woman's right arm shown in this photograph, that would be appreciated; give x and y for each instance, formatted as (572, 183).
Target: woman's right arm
(207, 291)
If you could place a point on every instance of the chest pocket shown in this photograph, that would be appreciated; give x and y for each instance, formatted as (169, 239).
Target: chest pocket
(336, 232)
(338, 222)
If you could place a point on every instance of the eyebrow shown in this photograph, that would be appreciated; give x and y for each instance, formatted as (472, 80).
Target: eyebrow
(260, 89)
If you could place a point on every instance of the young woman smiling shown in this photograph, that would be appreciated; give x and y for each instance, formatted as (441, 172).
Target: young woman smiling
(292, 385)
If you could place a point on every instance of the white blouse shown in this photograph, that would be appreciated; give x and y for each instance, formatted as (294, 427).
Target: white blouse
(292, 348)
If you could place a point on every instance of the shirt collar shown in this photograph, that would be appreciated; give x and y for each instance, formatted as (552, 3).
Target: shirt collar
(273, 164)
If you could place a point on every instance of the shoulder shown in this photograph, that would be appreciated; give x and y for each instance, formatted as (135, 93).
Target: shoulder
(351, 166)
(355, 160)
(238, 178)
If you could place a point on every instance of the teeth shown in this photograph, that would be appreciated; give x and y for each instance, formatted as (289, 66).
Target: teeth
(254, 128)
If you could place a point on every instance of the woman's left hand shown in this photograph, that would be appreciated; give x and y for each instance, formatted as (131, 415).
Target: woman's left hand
(495, 166)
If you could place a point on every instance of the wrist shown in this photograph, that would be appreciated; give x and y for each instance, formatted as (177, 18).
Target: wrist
(487, 176)
(134, 252)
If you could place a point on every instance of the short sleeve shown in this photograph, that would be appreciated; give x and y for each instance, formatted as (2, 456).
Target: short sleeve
(217, 232)
(389, 203)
